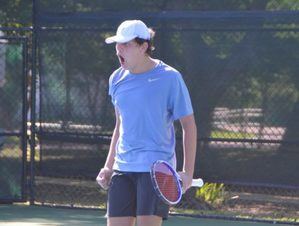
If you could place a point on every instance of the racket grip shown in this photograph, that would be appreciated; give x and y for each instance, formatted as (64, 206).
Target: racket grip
(197, 182)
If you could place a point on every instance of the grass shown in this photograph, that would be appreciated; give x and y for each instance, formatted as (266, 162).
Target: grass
(231, 135)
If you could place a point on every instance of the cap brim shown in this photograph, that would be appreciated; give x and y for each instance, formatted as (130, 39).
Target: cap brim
(119, 39)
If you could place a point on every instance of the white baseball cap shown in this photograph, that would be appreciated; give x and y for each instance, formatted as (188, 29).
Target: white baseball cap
(128, 30)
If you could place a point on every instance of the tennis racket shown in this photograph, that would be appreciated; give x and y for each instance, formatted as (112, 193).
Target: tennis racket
(167, 182)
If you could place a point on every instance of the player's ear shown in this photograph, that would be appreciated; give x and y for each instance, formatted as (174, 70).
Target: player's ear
(144, 47)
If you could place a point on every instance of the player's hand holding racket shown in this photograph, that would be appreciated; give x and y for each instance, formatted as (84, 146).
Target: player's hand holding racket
(186, 181)
(168, 184)
(104, 177)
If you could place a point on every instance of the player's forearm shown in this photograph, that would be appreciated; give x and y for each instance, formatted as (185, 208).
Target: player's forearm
(111, 154)
(189, 144)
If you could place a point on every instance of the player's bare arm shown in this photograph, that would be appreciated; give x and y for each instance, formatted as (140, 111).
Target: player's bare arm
(105, 173)
(189, 148)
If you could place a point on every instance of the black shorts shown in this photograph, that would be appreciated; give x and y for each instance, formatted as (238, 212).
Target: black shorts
(132, 194)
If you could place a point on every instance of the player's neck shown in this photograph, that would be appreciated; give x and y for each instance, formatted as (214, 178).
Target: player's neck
(143, 65)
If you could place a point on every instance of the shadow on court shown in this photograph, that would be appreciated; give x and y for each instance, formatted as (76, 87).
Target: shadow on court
(38, 215)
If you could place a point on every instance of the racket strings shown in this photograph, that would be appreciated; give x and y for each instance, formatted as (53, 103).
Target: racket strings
(167, 185)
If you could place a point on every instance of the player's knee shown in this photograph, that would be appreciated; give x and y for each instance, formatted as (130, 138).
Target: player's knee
(151, 220)
(117, 221)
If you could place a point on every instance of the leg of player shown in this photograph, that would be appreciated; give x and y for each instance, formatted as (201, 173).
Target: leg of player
(150, 208)
(121, 209)
(149, 221)
(124, 221)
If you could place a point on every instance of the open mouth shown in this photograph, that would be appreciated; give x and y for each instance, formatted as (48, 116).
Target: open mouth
(121, 59)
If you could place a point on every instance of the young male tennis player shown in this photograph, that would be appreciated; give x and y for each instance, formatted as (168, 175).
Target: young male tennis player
(148, 96)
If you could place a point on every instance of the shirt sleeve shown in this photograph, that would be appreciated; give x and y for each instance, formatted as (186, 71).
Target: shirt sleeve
(112, 81)
(180, 99)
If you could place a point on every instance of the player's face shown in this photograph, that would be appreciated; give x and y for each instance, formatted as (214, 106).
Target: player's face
(128, 54)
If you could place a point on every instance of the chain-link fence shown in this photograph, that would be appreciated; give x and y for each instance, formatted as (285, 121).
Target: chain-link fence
(240, 63)
(12, 117)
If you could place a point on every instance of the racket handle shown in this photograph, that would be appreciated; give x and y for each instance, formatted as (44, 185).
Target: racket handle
(197, 182)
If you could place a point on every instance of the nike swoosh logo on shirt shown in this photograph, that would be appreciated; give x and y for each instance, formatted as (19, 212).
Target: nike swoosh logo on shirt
(153, 79)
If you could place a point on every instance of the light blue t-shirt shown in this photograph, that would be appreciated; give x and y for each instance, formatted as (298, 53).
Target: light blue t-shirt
(148, 104)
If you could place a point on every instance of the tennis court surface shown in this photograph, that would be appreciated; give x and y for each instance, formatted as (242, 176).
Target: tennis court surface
(39, 215)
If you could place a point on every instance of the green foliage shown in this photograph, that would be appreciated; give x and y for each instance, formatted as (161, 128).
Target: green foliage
(15, 13)
(282, 5)
(157, 5)
(212, 193)
(10, 184)
(18, 13)
(231, 135)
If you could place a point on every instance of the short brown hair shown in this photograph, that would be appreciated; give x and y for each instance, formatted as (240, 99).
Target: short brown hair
(150, 43)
